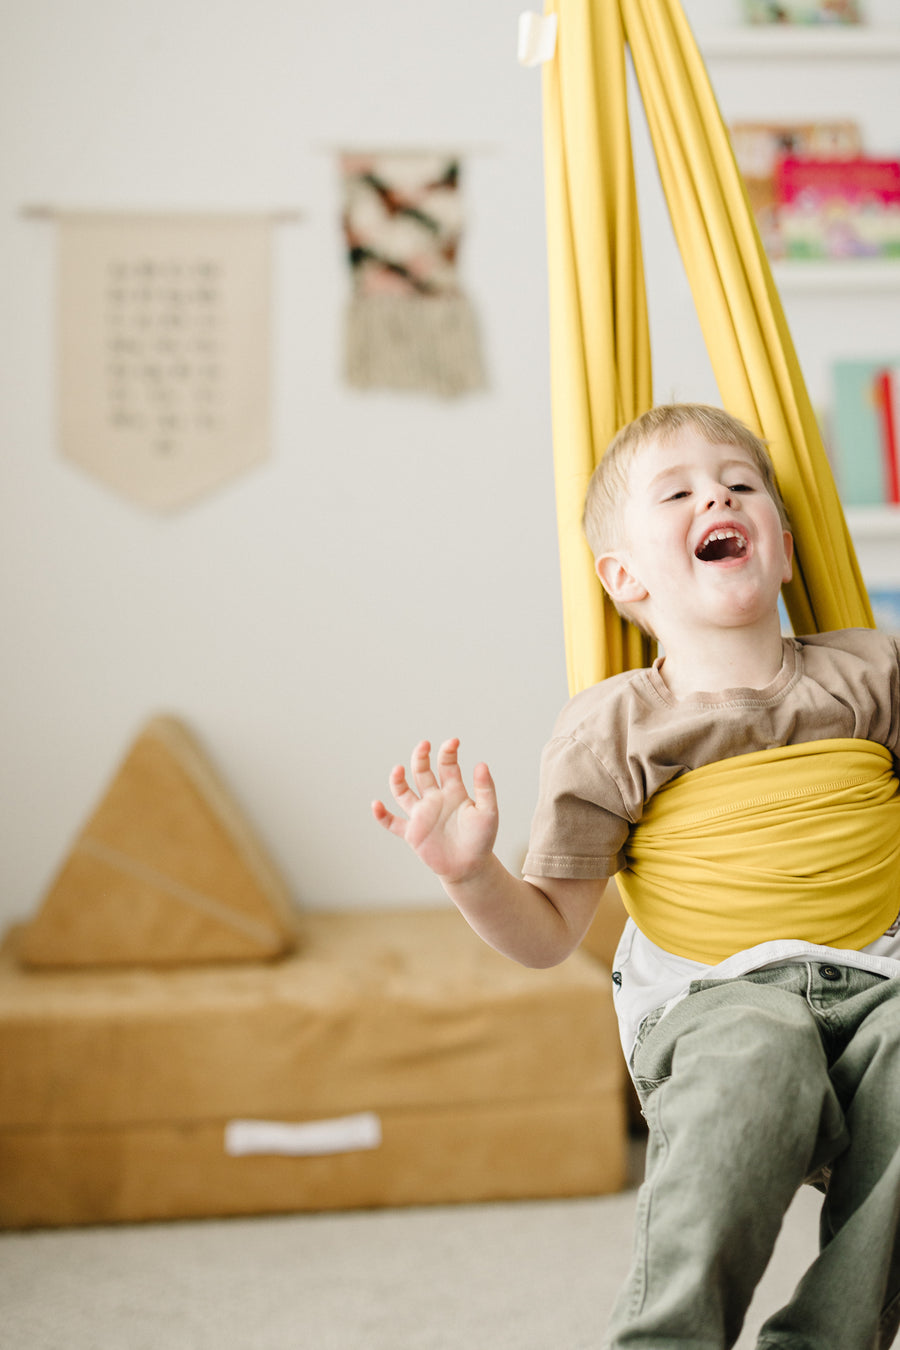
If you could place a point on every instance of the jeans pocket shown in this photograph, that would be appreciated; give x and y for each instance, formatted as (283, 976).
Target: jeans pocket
(643, 1084)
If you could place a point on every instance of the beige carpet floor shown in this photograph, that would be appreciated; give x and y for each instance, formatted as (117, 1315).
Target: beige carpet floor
(525, 1276)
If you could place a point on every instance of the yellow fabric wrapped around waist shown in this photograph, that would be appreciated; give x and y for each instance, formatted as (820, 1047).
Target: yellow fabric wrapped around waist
(798, 842)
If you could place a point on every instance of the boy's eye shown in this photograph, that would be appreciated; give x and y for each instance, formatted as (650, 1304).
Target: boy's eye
(741, 487)
(677, 496)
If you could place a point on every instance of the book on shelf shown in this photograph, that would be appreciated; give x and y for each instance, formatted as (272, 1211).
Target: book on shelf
(802, 11)
(759, 148)
(838, 208)
(885, 602)
(865, 426)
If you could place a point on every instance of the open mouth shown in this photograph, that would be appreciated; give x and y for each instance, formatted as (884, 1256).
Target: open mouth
(721, 544)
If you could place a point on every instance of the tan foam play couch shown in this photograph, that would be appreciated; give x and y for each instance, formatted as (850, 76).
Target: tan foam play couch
(478, 1079)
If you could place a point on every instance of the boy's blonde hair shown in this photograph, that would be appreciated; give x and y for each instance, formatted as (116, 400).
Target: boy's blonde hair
(608, 488)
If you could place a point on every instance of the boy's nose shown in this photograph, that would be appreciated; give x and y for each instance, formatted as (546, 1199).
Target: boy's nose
(718, 497)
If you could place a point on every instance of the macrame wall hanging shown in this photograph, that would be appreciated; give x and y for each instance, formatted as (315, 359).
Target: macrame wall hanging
(164, 340)
(409, 326)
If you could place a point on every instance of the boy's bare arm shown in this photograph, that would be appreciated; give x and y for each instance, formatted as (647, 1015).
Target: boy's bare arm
(537, 921)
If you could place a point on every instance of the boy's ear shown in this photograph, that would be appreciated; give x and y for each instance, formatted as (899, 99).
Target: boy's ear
(789, 554)
(620, 584)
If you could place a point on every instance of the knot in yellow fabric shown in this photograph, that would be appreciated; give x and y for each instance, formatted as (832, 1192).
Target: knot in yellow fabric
(802, 841)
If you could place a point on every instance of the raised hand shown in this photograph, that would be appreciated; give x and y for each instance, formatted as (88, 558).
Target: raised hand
(450, 831)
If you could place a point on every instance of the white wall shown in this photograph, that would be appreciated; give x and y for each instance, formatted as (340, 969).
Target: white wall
(391, 572)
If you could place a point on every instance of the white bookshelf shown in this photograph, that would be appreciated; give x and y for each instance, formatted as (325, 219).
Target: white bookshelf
(784, 42)
(859, 287)
(861, 276)
(873, 522)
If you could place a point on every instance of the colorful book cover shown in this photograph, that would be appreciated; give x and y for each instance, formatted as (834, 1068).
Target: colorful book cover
(886, 608)
(865, 424)
(759, 147)
(847, 208)
(802, 11)
(885, 391)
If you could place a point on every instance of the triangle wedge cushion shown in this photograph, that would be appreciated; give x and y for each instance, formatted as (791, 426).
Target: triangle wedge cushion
(167, 871)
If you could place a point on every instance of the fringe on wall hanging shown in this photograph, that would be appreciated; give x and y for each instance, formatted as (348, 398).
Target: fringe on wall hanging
(409, 326)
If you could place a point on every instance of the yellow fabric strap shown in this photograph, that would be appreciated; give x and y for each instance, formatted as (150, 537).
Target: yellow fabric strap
(798, 842)
(599, 332)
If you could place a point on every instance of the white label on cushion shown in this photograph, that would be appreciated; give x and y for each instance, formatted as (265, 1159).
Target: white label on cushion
(537, 38)
(347, 1134)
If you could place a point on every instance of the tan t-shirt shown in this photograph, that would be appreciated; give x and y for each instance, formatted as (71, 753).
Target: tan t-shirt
(618, 742)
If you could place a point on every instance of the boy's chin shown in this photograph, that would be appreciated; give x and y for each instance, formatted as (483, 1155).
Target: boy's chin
(749, 615)
(740, 608)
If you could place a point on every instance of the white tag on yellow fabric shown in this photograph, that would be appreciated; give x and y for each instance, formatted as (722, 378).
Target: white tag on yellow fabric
(537, 38)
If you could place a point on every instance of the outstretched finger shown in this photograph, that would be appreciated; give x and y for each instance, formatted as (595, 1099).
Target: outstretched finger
(483, 790)
(401, 791)
(448, 762)
(388, 820)
(423, 774)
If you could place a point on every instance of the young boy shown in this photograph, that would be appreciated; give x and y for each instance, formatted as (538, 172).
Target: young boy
(744, 788)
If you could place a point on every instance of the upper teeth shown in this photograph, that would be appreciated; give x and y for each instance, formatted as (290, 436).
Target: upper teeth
(722, 534)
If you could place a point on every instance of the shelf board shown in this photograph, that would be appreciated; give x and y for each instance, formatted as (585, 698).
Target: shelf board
(873, 522)
(860, 275)
(779, 41)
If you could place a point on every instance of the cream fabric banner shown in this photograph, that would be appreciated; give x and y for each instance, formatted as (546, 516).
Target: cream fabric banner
(164, 331)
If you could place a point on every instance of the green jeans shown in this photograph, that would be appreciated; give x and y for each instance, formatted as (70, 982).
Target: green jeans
(750, 1087)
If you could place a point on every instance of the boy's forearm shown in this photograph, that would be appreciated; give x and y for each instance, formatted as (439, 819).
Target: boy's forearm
(516, 916)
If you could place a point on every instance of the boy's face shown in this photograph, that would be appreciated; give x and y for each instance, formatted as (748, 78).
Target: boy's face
(704, 543)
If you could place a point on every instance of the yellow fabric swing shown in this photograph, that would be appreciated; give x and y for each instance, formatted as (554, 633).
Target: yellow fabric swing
(599, 333)
(601, 379)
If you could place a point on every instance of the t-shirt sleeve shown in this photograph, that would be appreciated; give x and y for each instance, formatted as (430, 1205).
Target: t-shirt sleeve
(580, 823)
